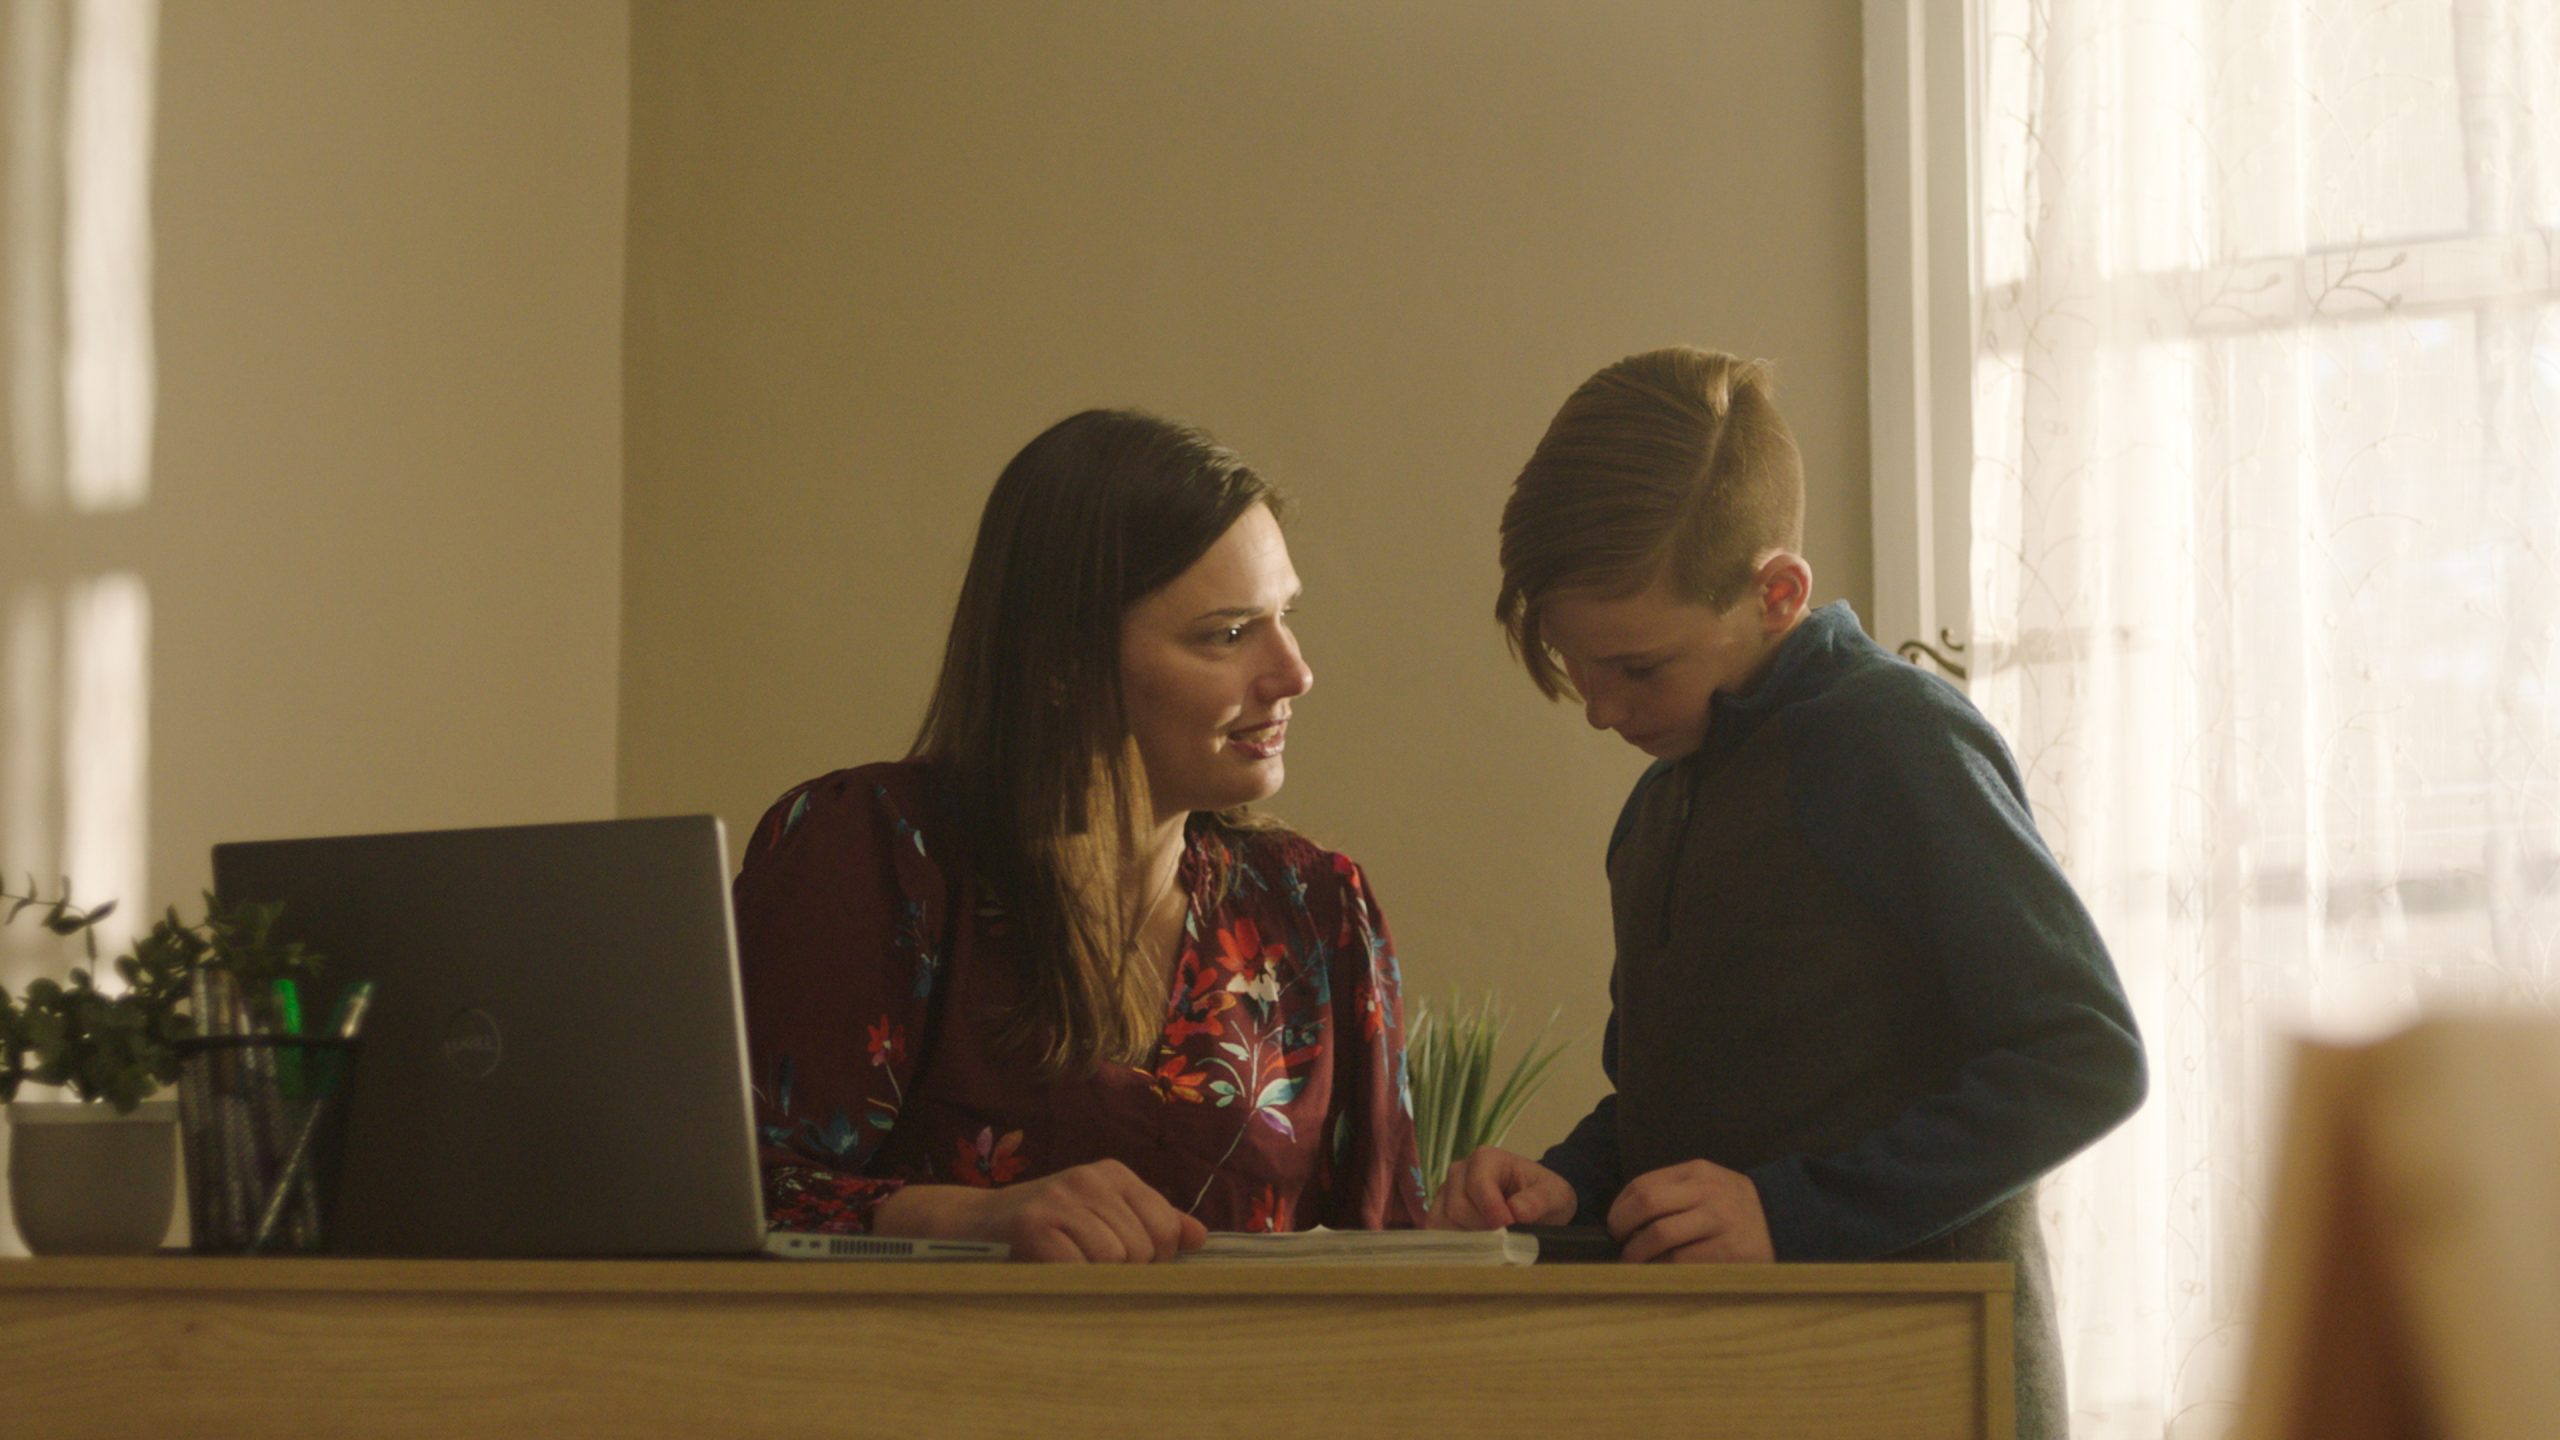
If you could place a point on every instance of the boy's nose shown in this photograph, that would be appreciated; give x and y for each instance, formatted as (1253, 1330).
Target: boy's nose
(1603, 712)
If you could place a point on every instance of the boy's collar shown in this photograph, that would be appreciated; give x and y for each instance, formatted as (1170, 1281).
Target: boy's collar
(1821, 633)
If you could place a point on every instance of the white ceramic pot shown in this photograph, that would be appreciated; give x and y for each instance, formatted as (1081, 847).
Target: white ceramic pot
(84, 1180)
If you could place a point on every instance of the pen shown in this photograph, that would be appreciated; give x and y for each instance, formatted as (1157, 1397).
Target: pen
(345, 1024)
(196, 1111)
(289, 1023)
(239, 1145)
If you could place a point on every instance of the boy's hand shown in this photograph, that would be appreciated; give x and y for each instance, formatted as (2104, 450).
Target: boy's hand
(1696, 1210)
(1493, 1188)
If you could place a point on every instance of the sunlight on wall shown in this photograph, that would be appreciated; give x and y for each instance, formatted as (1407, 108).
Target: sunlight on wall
(35, 378)
(27, 829)
(75, 641)
(108, 382)
(106, 749)
(78, 710)
(75, 757)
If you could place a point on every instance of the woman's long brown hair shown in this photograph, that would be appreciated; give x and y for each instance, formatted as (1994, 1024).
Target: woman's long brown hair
(1027, 722)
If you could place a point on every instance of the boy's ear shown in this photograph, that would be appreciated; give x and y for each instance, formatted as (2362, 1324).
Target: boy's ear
(1784, 587)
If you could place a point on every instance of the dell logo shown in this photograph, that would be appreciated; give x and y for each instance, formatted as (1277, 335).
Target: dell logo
(472, 1045)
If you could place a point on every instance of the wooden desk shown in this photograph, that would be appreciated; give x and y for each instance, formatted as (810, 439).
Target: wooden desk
(320, 1348)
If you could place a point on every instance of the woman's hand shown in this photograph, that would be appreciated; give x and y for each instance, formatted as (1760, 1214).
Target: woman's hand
(1100, 1213)
(1493, 1188)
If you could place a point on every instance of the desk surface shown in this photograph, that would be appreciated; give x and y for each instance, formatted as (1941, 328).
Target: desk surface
(404, 1347)
(756, 1276)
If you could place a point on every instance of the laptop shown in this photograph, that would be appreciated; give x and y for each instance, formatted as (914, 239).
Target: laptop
(554, 1061)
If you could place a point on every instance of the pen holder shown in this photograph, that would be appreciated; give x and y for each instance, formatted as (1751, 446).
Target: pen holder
(259, 1120)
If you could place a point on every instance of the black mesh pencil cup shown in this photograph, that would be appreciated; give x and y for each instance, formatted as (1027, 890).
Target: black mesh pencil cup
(260, 1118)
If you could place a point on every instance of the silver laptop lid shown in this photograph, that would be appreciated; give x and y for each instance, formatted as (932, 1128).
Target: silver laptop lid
(555, 1058)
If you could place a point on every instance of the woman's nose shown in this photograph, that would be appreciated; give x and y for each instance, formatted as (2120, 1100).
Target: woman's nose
(1288, 676)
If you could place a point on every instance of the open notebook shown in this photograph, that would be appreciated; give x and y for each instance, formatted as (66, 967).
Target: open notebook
(1371, 1247)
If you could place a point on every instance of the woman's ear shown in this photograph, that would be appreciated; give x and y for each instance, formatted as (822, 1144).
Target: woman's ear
(1785, 589)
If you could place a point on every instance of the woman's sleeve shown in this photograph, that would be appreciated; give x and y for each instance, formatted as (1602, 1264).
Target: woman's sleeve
(1376, 1168)
(840, 915)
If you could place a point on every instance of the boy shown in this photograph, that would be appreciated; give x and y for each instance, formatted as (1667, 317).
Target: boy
(1857, 1009)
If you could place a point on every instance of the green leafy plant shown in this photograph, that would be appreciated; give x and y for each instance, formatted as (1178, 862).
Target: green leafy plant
(121, 1046)
(1456, 1107)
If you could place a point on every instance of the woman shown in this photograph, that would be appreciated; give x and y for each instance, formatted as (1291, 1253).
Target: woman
(1047, 981)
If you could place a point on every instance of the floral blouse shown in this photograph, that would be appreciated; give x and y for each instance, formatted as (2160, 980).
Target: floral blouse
(874, 964)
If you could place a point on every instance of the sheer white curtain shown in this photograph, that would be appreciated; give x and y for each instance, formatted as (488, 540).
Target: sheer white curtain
(2265, 571)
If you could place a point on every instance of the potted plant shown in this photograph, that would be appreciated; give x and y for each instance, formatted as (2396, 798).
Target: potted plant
(1456, 1106)
(86, 1176)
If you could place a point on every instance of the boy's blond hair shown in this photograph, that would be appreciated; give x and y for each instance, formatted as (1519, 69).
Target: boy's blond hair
(1673, 466)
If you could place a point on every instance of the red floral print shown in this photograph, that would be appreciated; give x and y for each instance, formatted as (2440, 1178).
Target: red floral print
(1270, 1212)
(990, 1162)
(888, 1043)
(1176, 1080)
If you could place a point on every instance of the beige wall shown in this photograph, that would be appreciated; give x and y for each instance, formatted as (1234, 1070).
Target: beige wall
(874, 247)
(381, 536)
(391, 473)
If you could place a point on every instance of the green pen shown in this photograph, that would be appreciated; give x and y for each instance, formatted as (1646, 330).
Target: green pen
(289, 1022)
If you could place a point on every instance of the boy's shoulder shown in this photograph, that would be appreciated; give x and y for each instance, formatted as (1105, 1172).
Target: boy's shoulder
(1873, 694)
(1831, 671)
(1881, 721)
